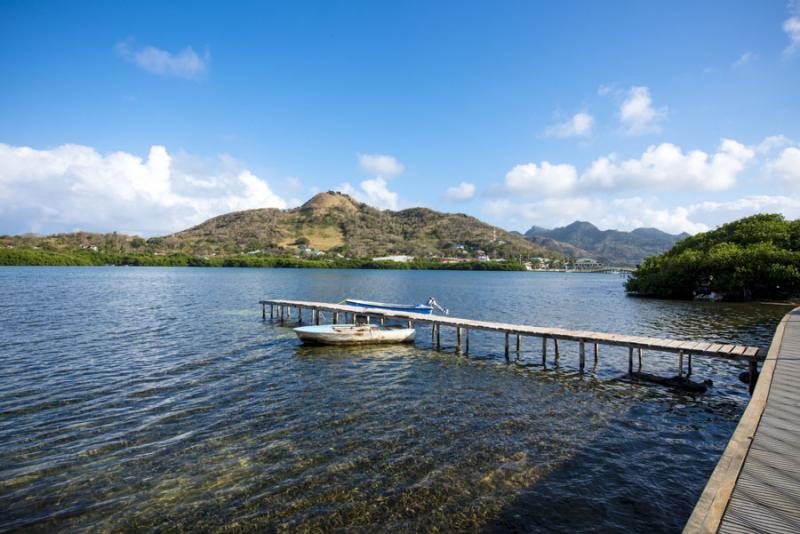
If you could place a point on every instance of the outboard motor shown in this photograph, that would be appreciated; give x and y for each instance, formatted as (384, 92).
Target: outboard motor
(435, 305)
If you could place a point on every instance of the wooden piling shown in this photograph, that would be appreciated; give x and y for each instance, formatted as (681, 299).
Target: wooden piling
(557, 355)
(466, 340)
(518, 345)
(544, 351)
(689, 365)
(630, 360)
(640, 360)
(438, 336)
(680, 363)
(581, 354)
(271, 312)
(263, 311)
(458, 339)
(596, 353)
(300, 314)
(282, 312)
(506, 351)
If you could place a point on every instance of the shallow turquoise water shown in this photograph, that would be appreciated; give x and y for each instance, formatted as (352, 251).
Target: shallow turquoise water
(156, 398)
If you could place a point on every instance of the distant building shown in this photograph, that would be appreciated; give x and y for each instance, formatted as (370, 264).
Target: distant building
(483, 257)
(587, 264)
(399, 258)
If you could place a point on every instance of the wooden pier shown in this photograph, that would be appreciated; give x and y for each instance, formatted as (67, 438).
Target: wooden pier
(685, 350)
(756, 484)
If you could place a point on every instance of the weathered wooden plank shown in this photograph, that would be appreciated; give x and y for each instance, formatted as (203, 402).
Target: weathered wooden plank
(637, 342)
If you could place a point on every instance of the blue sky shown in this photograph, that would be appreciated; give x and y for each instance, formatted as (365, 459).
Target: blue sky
(149, 117)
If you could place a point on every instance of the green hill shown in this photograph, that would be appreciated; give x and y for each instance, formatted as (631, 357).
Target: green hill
(756, 257)
(333, 223)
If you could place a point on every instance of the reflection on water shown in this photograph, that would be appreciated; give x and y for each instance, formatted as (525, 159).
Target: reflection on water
(156, 398)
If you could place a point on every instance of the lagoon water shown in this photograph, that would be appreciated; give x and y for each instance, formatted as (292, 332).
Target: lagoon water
(150, 398)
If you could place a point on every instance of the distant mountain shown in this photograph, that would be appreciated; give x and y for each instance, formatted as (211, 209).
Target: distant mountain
(583, 239)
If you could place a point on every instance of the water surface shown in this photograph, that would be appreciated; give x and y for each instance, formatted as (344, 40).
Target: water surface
(155, 398)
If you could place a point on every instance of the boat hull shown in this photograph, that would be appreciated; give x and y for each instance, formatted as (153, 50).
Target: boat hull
(354, 334)
(412, 308)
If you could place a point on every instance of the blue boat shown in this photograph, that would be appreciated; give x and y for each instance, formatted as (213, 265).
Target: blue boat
(425, 309)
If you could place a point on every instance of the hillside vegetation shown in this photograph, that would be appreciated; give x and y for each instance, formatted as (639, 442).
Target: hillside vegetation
(332, 223)
(613, 247)
(756, 257)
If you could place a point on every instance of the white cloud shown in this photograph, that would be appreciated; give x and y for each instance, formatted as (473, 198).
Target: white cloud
(184, 64)
(745, 58)
(544, 179)
(666, 166)
(380, 164)
(786, 166)
(579, 125)
(460, 193)
(771, 143)
(620, 213)
(604, 90)
(637, 114)
(792, 28)
(374, 192)
(734, 209)
(73, 187)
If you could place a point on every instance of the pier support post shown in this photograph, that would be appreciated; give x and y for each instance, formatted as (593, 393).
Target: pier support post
(300, 314)
(519, 342)
(282, 312)
(680, 363)
(271, 312)
(466, 341)
(433, 335)
(640, 360)
(289, 312)
(582, 354)
(596, 354)
(438, 336)
(630, 360)
(506, 352)
(544, 351)
(555, 349)
(316, 318)
(263, 311)
(753, 376)
(689, 365)
(458, 339)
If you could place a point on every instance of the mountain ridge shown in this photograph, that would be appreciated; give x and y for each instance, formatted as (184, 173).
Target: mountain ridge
(584, 239)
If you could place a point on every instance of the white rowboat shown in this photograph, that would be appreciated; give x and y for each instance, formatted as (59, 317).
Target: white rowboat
(332, 334)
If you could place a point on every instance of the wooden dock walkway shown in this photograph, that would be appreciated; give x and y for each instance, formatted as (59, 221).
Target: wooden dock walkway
(282, 309)
(756, 484)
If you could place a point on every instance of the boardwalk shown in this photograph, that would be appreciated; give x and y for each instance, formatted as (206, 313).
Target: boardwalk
(684, 349)
(756, 484)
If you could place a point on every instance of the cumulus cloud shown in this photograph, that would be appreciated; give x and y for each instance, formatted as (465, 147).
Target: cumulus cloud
(579, 125)
(184, 64)
(621, 213)
(374, 192)
(792, 28)
(74, 187)
(734, 209)
(667, 166)
(786, 166)
(544, 179)
(460, 193)
(637, 114)
(380, 164)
